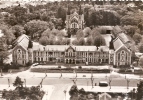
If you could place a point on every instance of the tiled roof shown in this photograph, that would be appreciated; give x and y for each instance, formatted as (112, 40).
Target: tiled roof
(85, 48)
(124, 37)
(50, 47)
(117, 30)
(23, 41)
(117, 43)
(64, 47)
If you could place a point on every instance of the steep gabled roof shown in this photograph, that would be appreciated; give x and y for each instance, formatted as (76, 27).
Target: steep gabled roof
(65, 47)
(123, 37)
(118, 43)
(23, 41)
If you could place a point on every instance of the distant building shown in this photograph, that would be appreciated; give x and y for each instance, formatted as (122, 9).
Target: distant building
(25, 52)
(74, 21)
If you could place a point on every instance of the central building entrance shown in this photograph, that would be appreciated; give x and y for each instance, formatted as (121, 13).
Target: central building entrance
(70, 61)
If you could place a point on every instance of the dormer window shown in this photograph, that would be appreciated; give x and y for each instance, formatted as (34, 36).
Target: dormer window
(50, 53)
(62, 53)
(44, 48)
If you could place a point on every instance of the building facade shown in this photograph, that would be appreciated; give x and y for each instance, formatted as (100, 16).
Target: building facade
(74, 20)
(70, 54)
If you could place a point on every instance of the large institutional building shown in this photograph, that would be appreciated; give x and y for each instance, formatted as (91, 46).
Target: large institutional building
(70, 54)
(117, 53)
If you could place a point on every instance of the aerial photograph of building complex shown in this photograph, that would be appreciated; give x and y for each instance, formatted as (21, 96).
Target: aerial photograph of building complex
(71, 50)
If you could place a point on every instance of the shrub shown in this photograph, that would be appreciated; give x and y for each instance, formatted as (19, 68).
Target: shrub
(79, 67)
(28, 93)
(59, 66)
(68, 70)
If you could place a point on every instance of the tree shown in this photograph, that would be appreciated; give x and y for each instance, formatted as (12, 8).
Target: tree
(44, 40)
(65, 41)
(137, 38)
(81, 41)
(20, 14)
(79, 34)
(86, 16)
(141, 48)
(99, 41)
(57, 42)
(129, 20)
(89, 41)
(93, 18)
(86, 31)
(18, 82)
(18, 30)
(140, 90)
(20, 92)
(73, 90)
(12, 95)
(130, 29)
(95, 32)
(11, 20)
(61, 13)
(82, 94)
(35, 27)
(3, 53)
(3, 56)
(8, 33)
(47, 33)
(75, 42)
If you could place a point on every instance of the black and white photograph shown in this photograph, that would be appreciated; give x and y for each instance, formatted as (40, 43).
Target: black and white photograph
(71, 50)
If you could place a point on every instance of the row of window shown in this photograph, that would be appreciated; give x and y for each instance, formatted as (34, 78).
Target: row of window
(70, 54)
(86, 60)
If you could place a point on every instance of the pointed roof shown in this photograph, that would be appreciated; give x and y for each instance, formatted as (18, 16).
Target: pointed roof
(80, 11)
(118, 43)
(68, 11)
(22, 40)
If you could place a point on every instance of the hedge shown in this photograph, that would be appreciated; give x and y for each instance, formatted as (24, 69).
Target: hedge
(68, 70)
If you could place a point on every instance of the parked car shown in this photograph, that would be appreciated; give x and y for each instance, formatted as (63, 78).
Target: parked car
(103, 83)
(35, 64)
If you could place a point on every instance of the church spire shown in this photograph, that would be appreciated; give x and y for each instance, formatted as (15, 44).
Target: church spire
(80, 11)
(68, 11)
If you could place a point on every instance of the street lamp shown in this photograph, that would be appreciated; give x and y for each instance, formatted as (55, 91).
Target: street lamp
(61, 73)
(125, 73)
(76, 73)
(110, 82)
(92, 79)
(65, 93)
(1, 72)
(25, 82)
(45, 74)
(91, 73)
(9, 82)
(128, 83)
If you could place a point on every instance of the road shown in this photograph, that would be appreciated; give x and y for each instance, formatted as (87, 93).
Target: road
(62, 84)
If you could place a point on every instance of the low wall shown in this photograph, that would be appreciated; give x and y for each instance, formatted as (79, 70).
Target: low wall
(17, 70)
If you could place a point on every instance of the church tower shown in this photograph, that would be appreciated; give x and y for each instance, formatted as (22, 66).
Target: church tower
(81, 18)
(30, 52)
(74, 20)
(68, 19)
